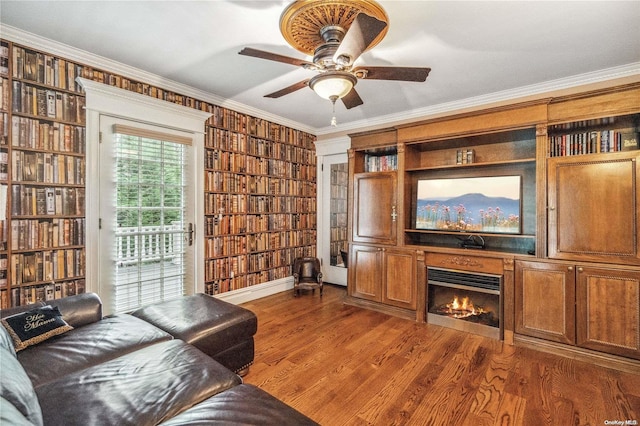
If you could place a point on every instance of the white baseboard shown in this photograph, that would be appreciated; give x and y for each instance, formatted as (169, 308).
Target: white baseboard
(257, 291)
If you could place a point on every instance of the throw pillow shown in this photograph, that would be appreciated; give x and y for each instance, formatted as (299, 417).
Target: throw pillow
(35, 326)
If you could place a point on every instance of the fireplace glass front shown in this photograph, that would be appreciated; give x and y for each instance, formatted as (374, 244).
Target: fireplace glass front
(465, 301)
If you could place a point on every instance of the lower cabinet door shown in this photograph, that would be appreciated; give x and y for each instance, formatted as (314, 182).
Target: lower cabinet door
(365, 272)
(545, 300)
(608, 310)
(399, 278)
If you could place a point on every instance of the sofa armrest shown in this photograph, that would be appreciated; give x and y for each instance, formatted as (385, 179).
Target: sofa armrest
(79, 310)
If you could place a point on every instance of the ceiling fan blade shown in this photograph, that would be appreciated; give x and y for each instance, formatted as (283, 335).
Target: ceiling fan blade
(249, 51)
(299, 85)
(393, 73)
(352, 99)
(361, 33)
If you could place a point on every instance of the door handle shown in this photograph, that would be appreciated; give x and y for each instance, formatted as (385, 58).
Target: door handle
(191, 231)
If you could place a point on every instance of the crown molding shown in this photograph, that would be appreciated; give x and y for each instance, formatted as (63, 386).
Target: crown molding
(19, 36)
(534, 91)
(530, 92)
(333, 146)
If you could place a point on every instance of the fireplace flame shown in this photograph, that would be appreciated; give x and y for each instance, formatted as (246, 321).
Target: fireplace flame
(463, 308)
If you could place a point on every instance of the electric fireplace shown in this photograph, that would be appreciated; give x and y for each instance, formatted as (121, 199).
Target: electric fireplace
(466, 301)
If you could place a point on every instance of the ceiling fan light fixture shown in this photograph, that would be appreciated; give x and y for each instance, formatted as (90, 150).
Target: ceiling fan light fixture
(332, 85)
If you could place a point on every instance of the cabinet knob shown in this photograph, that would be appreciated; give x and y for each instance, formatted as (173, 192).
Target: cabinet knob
(580, 269)
(570, 268)
(394, 214)
(551, 208)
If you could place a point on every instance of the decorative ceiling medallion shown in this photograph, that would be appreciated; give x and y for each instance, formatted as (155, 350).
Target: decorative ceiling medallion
(302, 20)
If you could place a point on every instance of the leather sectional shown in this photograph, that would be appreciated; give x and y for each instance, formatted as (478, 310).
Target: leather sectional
(173, 363)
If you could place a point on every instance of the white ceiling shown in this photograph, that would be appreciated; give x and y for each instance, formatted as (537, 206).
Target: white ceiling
(475, 49)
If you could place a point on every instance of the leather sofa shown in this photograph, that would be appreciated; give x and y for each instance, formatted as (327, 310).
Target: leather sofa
(124, 370)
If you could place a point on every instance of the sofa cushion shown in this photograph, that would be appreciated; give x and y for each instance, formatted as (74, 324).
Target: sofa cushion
(244, 404)
(86, 346)
(212, 325)
(9, 415)
(35, 326)
(17, 389)
(6, 341)
(144, 387)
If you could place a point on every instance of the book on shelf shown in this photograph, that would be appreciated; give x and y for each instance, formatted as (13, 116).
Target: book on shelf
(29, 166)
(29, 294)
(4, 94)
(33, 234)
(593, 142)
(46, 265)
(45, 69)
(27, 200)
(4, 165)
(629, 140)
(4, 58)
(3, 272)
(380, 163)
(45, 135)
(4, 128)
(31, 100)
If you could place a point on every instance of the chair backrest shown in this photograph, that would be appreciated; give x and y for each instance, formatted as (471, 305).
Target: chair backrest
(345, 258)
(307, 267)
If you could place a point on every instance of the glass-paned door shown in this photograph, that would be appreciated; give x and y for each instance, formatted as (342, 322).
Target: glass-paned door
(146, 216)
(333, 228)
(338, 214)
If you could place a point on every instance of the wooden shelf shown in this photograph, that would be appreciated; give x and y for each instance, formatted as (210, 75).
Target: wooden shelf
(473, 165)
(466, 234)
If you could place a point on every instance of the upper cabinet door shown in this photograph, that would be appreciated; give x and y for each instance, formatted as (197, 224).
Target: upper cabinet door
(374, 208)
(594, 207)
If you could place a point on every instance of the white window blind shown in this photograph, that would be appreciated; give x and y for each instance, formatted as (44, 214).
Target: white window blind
(150, 222)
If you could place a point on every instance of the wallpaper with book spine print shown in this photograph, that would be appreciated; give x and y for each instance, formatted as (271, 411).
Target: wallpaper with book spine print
(260, 205)
(42, 167)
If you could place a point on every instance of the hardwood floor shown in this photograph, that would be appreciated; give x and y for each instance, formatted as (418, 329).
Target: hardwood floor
(343, 365)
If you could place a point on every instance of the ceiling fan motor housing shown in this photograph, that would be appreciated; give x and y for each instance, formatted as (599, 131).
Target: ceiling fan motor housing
(304, 22)
(323, 56)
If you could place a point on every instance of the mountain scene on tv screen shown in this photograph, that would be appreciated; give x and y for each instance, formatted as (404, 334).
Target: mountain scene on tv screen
(473, 212)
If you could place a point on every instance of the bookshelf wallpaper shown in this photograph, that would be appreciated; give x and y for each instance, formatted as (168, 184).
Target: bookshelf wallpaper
(260, 183)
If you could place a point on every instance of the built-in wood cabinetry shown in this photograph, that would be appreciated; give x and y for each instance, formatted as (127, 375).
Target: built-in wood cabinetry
(607, 309)
(380, 272)
(545, 300)
(399, 268)
(571, 274)
(374, 205)
(587, 306)
(385, 275)
(365, 266)
(594, 207)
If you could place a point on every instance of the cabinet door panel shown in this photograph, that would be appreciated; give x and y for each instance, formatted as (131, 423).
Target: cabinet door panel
(374, 202)
(608, 309)
(545, 295)
(594, 208)
(400, 283)
(365, 267)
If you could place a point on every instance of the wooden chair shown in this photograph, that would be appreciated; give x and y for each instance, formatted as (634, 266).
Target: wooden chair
(345, 258)
(306, 274)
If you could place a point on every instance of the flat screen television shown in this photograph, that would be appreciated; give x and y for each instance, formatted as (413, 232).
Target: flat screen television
(474, 204)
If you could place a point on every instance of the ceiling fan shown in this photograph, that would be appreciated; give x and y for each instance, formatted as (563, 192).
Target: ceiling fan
(336, 33)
